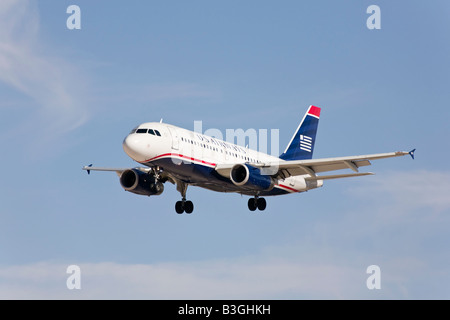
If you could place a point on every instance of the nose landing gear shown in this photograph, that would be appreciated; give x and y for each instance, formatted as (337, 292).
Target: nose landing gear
(183, 205)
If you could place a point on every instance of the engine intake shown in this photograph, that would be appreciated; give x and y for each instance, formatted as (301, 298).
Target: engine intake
(138, 182)
(246, 175)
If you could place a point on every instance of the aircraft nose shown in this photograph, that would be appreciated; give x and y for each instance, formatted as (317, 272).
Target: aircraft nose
(132, 147)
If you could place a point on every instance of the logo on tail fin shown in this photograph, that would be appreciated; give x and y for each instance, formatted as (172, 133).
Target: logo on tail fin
(305, 143)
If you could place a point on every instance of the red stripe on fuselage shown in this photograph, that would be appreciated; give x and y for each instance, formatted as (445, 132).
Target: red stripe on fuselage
(286, 187)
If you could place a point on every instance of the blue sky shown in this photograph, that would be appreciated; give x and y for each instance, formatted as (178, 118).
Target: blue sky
(68, 98)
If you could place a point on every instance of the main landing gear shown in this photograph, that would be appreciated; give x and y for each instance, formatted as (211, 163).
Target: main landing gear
(183, 205)
(257, 203)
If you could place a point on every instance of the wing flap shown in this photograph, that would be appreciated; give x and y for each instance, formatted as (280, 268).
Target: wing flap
(340, 165)
(339, 176)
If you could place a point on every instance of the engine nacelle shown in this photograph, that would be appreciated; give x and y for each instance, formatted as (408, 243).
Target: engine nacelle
(138, 182)
(246, 175)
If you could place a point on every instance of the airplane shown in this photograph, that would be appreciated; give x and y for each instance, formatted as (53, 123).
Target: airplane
(182, 157)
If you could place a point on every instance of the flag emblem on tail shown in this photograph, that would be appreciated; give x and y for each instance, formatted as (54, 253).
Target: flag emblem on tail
(305, 143)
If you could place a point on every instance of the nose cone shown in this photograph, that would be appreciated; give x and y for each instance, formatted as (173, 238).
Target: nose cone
(133, 147)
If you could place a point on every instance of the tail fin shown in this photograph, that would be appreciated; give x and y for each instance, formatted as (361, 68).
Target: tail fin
(301, 146)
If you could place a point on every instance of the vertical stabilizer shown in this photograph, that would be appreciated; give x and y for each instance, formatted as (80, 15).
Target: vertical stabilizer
(301, 146)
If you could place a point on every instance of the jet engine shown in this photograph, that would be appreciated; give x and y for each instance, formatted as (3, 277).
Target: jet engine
(142, 183)
(246, 175)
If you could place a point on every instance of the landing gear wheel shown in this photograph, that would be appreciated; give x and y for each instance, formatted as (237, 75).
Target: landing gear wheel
(179, 208)
(257, 203)
(183, 205)
(252, 204)
(261, 203)
(188, 207)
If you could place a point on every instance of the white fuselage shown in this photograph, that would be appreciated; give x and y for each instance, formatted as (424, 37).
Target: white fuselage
(193, 157)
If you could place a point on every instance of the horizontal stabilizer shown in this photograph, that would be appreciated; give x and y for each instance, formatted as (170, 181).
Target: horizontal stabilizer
(338, 176)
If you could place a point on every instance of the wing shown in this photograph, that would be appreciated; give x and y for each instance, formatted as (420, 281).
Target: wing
(284, 169)
(164, 176)
(118, 171)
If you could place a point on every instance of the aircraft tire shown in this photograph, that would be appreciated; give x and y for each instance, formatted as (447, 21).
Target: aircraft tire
(252, 204)
(188, 207)
(179, 208)
(261, 204)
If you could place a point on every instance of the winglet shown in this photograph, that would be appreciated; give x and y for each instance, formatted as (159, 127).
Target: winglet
(411, 153)
(86, 168)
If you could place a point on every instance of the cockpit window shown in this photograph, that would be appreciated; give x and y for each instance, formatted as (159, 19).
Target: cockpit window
(150, 131)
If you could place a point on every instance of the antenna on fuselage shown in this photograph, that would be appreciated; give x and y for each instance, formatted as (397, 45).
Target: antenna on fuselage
(160, 121)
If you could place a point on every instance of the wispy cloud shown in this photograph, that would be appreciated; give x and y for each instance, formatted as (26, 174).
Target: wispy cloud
(220, 279)
(259, 276)
(424, 190)
(51, 86)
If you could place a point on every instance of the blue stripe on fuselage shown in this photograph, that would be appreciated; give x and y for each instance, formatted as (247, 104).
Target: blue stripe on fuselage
(206, 177)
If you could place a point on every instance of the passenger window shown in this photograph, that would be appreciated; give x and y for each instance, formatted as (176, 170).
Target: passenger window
(150, 131)
(157, 133)
(141, 131)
